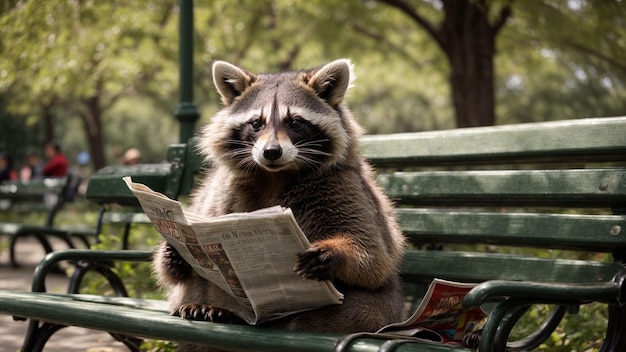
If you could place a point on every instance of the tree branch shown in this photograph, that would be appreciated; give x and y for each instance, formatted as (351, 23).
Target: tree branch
(587, 50)
(408, 10)
(504, 15)
(380, 39)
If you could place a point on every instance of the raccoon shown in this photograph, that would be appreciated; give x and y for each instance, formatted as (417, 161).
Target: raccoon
(287, 139)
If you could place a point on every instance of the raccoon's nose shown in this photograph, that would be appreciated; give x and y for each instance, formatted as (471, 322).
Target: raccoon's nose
(272, 152)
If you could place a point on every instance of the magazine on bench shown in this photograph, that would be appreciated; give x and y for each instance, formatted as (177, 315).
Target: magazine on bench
(248, 255)
(251, 256)
(440, 316)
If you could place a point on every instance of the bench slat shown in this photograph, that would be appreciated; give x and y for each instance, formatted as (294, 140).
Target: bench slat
(477, 267)
(602, 233)
(106, 186)
(597, 139)
(582, 188)
(31, 190)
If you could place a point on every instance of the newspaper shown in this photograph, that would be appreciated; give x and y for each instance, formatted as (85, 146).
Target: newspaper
(248, 255)
(440, 316)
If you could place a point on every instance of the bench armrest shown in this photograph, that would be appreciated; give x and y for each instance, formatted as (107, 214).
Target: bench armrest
(52, 259)
(566, 293)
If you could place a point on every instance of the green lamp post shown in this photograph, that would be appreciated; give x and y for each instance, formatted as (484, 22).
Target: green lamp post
(186, 112)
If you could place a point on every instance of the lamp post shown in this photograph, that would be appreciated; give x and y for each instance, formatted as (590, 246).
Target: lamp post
(186, 112)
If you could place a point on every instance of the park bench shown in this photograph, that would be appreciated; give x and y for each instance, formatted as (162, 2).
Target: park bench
(47, 196)
(470, 201)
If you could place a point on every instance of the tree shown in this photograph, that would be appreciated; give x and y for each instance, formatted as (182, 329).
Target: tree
(75, 62)
(467, 36)
(111, 69)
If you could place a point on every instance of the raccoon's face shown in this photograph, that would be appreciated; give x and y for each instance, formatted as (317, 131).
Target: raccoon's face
(278, 138)
(281, 122)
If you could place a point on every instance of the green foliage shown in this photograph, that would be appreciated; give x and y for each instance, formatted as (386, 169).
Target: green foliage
(559, 61)
(137, 277)
(554, 61)
(158, 346)
(583, 330)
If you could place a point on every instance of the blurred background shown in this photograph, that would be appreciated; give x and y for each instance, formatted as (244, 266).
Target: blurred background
(101, 77)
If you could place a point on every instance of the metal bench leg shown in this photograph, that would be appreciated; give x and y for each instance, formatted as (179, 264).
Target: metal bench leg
(615, 339)
(126, 235)
(38, 334)
(82, 267)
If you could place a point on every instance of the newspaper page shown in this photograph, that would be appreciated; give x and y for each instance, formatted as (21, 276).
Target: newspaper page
(440, 316)
(248, 255)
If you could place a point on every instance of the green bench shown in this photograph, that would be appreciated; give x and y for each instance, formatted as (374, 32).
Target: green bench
(49, 197)
(470, 200)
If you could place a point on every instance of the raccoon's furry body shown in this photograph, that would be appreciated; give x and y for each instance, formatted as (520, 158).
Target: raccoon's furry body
(287, 139)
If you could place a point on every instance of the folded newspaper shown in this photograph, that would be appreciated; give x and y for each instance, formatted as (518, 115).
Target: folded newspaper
(248, 255)
(440, 316)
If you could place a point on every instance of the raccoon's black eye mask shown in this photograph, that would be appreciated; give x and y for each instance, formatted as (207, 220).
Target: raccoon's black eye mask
(256, 125)
(296, 123)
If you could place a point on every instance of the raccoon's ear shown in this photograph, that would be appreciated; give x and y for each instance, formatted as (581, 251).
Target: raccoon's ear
(230, 80)
(332, 80)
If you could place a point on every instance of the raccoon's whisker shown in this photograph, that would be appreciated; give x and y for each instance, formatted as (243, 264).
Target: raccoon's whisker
(236, 143)
(238, 153)
(236, 156)
(313, 152)
(246, 163)
(308, 162)
(311, 143)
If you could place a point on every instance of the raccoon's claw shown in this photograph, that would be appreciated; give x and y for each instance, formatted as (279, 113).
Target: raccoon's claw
(316, 264)
(177, 267)
(205, 312)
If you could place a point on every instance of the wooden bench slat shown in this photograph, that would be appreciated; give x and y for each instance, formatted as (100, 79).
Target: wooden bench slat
(31, 190)
(582, 188)
(603, 233)
(107, 186)
(597, 139)
(478, 267)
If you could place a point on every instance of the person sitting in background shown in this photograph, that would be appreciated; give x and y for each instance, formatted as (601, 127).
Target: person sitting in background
(6, 168)
(57, 162)
(132, 156)
(33, 169)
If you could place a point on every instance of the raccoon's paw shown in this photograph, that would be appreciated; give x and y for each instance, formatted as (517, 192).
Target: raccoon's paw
(317, 264)
(175, 266)
(205, 312)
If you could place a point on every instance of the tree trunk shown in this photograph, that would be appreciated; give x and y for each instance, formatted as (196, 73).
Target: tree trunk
(469, 43)
(468, 39)
(93, 128)
(48, 123)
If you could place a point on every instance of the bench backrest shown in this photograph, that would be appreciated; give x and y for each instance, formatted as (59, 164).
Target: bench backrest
(174, 177)
(558, 185)
(46, 195)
